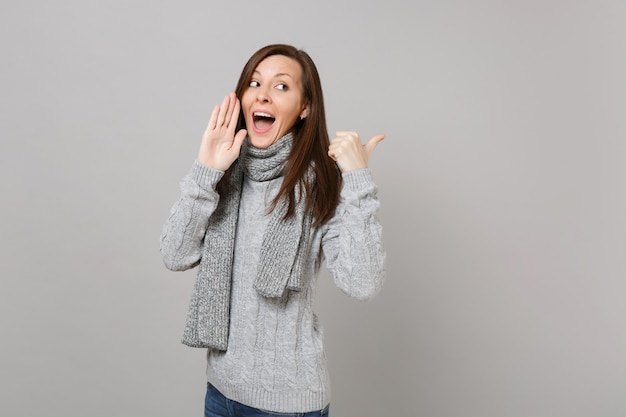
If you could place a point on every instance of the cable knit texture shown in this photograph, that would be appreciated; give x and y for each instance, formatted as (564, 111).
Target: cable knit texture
(285, 243)
(275, 358)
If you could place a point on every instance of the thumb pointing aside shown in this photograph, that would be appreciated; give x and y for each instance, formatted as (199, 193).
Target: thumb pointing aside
(371, 144)
(348, 152)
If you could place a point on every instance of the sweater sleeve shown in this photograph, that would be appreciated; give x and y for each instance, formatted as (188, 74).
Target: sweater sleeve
(183, 232)
(352, 242)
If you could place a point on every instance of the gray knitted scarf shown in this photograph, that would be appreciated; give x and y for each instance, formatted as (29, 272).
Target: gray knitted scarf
(283, 252)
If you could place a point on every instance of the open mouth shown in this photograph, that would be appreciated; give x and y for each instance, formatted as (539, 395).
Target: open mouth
(262, 121)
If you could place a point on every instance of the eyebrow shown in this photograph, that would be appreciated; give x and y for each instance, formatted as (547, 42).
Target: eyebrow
(280, 74)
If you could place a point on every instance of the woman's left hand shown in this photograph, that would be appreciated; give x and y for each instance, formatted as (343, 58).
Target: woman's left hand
(349, 153)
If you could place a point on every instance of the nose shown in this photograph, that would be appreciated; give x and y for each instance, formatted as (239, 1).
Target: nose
(263, 95)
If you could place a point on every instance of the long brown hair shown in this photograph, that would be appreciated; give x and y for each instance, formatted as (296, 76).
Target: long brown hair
(310, 140)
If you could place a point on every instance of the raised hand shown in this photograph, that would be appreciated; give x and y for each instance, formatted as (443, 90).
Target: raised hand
(220, 145)
(350, 154)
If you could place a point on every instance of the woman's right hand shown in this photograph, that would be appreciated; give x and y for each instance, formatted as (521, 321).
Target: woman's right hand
(220, 145)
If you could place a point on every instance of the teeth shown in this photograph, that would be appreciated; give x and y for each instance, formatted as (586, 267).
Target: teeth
(261, 114)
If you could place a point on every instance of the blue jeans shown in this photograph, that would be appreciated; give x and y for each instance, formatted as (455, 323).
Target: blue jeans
(216, 405)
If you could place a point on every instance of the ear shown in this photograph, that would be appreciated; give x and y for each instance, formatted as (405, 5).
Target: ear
(305, 112)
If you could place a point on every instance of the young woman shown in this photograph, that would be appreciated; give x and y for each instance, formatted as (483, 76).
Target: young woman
(268, 199)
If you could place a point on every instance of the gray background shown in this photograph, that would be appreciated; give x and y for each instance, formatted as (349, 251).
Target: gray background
(502, 184)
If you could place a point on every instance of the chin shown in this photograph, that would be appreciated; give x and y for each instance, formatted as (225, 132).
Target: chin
(261, 141)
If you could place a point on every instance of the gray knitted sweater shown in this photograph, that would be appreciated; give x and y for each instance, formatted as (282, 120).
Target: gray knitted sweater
(275, 358)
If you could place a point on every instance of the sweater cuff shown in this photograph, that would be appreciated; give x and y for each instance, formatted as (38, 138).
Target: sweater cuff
(357, 179)
(205, 176)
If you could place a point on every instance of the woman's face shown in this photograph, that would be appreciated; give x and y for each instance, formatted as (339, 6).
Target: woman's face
(273, 101)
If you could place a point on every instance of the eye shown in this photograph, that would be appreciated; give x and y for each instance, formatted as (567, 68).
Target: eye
(282, 86)
(254, 83)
